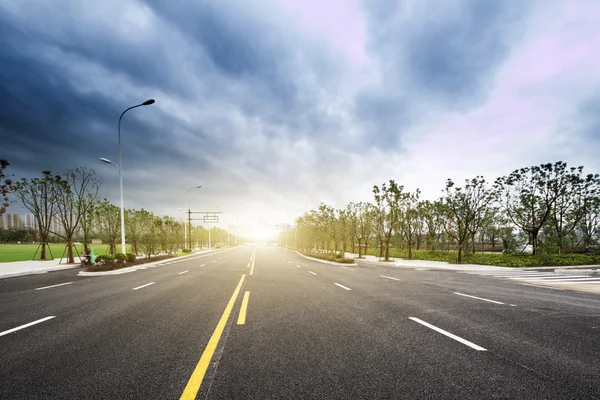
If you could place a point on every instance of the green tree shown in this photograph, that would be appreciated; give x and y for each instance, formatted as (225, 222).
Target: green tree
(107, 223)
(5, 187)
(464, 207)
(527, 197)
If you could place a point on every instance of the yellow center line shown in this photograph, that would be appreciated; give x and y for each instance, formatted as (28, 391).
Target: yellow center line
(242, 317)
(193, 385)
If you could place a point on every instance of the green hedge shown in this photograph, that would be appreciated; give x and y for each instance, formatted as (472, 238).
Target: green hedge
(498, 259)
(335, 257)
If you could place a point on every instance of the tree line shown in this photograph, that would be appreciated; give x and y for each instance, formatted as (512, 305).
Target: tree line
(553, 208)
(72, 199)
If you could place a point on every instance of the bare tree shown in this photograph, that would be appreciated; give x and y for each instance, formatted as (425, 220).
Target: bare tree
(37, 196)
(71, 196)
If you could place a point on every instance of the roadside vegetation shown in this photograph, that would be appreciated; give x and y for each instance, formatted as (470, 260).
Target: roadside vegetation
(68, 213)
(328, 256)
(545, 215)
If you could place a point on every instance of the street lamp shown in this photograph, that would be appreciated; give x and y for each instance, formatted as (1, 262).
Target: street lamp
(120, 167)
(185, 230)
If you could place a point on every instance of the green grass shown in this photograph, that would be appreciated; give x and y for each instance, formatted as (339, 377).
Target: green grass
(25, 252)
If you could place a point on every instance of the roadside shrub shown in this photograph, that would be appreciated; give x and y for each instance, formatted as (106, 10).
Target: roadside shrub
(120, 257)
(130, 257)
(186, 251)
(105, 259)
(330, 257)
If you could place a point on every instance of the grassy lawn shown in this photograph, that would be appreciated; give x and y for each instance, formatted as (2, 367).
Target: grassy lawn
(25, 252)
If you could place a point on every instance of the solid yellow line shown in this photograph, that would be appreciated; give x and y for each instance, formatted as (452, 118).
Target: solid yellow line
(242, 316)
(193, 385)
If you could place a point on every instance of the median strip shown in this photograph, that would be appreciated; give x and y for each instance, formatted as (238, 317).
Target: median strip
(39, 321)
(242, 317)
(143, 286)
(342, 286)
(193, 385)
(478, 298)
(450, 335)
(53, 286)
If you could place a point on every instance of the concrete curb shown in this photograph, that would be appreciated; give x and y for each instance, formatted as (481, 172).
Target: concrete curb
(43, 271)
(325, 261)
(142, 266)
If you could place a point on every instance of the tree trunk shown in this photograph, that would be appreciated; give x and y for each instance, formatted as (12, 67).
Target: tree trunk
(459, 256)
(71, 258)
(387, 252)
(380, 247)
(473, 240)
(43, 251)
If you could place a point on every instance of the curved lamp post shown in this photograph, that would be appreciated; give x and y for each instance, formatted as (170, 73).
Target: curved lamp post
(120, 167)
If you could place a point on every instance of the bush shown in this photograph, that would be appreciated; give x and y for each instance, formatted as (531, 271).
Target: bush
(186, 251)
(130, 257)
(105, 259)
(339, 258)
(120, 257)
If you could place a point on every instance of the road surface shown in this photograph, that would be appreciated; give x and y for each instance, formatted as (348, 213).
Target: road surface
(266, 323)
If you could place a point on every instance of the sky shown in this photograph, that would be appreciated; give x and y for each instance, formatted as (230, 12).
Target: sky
(276, 106)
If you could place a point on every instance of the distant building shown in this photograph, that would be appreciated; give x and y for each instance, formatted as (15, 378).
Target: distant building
(29, 221)
(13, 221)
(2, 223)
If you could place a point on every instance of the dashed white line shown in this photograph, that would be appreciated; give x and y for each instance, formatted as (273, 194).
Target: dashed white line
(183, 272)
(213, 261)
(289, 262)
(478, 298)
(203, 265)
(310, 272)
(342, 286)
(298, 266)
(389, 277)
(26, 325)
(143, 286)
(48, 287)
(450, 335)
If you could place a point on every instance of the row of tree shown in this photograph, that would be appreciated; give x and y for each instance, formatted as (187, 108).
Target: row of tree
(72, 199)
(551, 207)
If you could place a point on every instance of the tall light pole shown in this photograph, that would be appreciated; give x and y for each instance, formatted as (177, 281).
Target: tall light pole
(120, 166)
(185, 221)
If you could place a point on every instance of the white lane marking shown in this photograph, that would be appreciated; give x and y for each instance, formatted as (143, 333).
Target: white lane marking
(450, 335)
(478, 298)
(221, 258)
(143, 286)
(298, 266)
(248, 266)
(345, 267)
(26, 325)
(48, 287)
(183, 272)
(512, 305)
(289, 262)
(203, 265)
(213, 261)
(342, 286)
(310, 272)
(389, 277)
(588, 281)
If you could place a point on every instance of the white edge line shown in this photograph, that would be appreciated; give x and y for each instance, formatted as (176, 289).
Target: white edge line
(26, 325)
(342, 286)
(450, 335)
(143, 286)
(478, 298)
(389, 277)
(48, 287)
(183, 272)
(310, 272)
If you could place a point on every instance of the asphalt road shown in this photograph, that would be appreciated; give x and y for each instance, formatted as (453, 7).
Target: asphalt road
(266, 323)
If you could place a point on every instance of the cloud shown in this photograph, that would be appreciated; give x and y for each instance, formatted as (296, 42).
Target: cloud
(285, 104)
